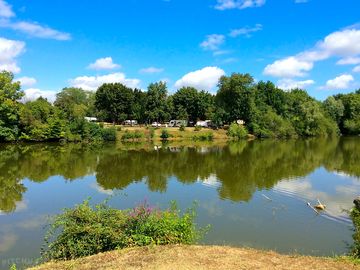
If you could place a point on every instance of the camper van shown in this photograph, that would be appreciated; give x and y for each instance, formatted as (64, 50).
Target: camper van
(178, 123)
(130, 122)
(204, 124)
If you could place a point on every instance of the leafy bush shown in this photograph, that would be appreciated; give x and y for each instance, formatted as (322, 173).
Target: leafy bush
(182, 128)
(209, 136)
(132, 135)
(108, 134)
(165, 134)
(152, 133)
(197, 128)
(237, 132)
(355, 216)
(84, 230)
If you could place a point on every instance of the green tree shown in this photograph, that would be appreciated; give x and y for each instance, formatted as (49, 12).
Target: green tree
(10, 94)
(236, 97)
(157, 107)
(115, 100)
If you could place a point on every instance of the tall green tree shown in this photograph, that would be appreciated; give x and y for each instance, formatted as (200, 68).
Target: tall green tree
(10, 94)
(157, 107)
(236, 97)
(115, 100)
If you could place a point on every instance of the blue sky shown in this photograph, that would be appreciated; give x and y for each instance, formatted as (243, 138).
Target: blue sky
(314, 44)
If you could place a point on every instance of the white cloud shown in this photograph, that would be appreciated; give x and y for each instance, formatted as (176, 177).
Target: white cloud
(340, 82)
(9, 51)
(288, 67)
(213, 42)
(36, 30)
(223, 52)
(246, 31)
(105, 63)
(34, 93)
(26, 81)
(356, 69)
(288, 84)
(238, 4)
(344, 43)
(203, 79)
(151, 70)
(93, 82)
(5, 10)
(349, 61)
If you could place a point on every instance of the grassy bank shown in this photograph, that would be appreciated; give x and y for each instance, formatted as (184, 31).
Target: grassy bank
(175, 134)
(198, 257)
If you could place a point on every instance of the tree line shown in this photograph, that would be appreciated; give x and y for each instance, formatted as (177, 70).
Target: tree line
(267, 110)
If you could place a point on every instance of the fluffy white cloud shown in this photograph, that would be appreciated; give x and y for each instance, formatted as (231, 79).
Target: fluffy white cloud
(288, 67)
(288, 84)
(34, 93)
(349, 61)
(344, 43)
(5, 10)
(26, 81)
(238, 4)
(35, 30)
(9, 51)
(340, 82)
(356, 69)
(151, 70)
(212, 42)
(105, 63)
(204, 79)
(93, 82)
(245, 31)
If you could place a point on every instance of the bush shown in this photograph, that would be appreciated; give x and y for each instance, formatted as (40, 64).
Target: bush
(165, 134)
(182, 128)
(209, 136)
(197, 128)
(237, 132)
(108, 134)
(84, 230)
(152, 133)
(128, 135)
(355, 249)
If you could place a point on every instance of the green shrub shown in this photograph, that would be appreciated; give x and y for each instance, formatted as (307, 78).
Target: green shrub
(118, 128)
(197, 128)
(237, 132)
(152, 133)
(108, 134)
(85, 230)
(182, 128)
(355, 249)
(165, 134)
(129, 135)
(209, 136)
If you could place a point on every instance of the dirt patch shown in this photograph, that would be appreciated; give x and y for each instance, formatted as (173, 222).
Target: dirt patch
(198, 257)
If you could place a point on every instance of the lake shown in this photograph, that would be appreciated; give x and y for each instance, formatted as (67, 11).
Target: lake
(252, 193)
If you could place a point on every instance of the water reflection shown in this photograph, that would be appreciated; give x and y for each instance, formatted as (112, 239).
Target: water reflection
(237, 170)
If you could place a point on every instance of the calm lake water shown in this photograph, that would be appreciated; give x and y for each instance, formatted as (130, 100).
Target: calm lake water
(231, 182)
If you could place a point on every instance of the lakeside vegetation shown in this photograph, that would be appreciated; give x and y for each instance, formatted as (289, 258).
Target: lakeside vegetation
(267, 110)
(85, 230)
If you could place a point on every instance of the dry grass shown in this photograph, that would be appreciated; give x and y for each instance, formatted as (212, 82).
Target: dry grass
(198, 257)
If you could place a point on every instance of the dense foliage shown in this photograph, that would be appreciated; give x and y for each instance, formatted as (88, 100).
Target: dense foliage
(355, 216)
(266, 110)
(84, 230)
(39, 120)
